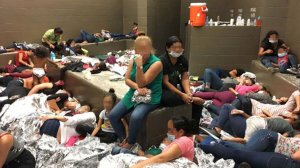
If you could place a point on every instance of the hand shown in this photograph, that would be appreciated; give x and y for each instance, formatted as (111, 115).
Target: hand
(45, 118)
(296, 110)
(186, 98)
(269, 51)
(236, 112)
(142, 91)
(233, 91)
(51, 46)
(138, 60)
(6, 74)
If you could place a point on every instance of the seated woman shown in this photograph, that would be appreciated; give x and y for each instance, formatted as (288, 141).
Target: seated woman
(216, 78)
(284, 61)
(63, 127)
(268, 51)
(23, 60)
(180, 131)
(86, 37)
(12, 153)
(286, 153)
(176, 84)
(103, 130)
(144, 77)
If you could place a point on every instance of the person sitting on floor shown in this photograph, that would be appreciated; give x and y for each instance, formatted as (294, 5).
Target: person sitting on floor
(285, 61)
(180, 131)
(268, 51)
(176, 84)
(103, 130)
(13, 153)
(24, 60)
(52, 39)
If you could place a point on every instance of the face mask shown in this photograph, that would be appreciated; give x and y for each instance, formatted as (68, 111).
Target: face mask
(273, 41)
(175, 54)
(282, 54)
(261, 92)
(171, 137)
(77, 107)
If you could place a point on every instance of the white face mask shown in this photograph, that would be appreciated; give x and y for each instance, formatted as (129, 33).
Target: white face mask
(175, 54)
(171, 137)
(261, 92)
(282, 54)
(273, 41)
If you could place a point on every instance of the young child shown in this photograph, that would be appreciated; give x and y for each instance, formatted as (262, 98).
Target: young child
(104, 130)
(41, 55)
(284, 61)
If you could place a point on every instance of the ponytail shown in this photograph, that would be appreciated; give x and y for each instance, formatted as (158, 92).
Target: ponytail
(189, 127)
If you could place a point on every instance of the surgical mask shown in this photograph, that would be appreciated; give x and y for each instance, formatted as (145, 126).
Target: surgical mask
(282, 54)
(261, 92)
(273, 41)
(171, 137)
(175, 54)
(77, 107)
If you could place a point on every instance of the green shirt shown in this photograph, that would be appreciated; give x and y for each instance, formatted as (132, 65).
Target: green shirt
(51, 37)
(155, 86)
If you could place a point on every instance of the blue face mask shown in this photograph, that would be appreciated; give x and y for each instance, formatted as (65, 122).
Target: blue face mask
(171, 137)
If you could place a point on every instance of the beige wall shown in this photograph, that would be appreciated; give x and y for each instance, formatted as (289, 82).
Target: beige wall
(27, 20)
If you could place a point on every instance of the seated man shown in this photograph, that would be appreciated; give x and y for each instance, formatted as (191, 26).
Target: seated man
(52, 39)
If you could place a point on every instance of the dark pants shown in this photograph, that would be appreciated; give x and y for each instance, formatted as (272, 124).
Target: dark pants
(137, 119)
(106, 137)
(268, 60)
(171, 99)
(14, 87)
(291, 63)
(255, 159)
(24, 160)
(85, 36)
(5, 80)
(212, 79)
(57, 48)
(233, 124)
(50, 127)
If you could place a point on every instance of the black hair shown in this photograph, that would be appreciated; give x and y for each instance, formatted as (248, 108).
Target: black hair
(68, 43)
(41, 52)
(135, 24)
(239, 72)
(112, 94)
(58, 30)
(296, 124)
(189, 127)
(282, 47)
(78, 50)
(264, 88)
(266, 39)
(171, 40)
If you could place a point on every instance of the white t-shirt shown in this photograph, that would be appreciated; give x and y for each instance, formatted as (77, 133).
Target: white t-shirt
(106, 126)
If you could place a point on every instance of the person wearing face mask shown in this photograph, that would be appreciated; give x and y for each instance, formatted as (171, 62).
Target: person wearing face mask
(181, 144)
(268, 51)
(144, 78)
(176, 85)
(285, 61)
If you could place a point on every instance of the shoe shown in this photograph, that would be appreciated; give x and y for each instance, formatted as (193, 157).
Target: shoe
(293, 70)
(244, 165)
(213, 133)
(271, 69)
(207, 103)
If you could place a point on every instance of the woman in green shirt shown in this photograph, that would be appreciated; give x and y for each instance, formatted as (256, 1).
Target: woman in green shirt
(144, 74)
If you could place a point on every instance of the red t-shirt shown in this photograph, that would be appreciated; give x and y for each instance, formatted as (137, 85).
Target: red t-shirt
(25, 57)
(283, 60)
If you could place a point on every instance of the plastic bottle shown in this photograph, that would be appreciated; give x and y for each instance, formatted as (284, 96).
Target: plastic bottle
(248, 22)
(258, 21)
(206, 21)
(62, 56)
(52, 56)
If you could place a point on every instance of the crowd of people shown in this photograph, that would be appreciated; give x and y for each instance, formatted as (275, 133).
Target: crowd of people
(249, 126)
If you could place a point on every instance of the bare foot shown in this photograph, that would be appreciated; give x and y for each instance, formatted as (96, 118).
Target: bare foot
(218, 129)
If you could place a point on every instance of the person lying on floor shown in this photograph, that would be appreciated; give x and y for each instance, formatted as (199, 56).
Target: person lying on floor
(180, 131)
(63, 127)
(269, 51)
(103, 130)
(86, 37)
(243, 128)
(47, 88)
(5, 50)
(284, 61)
(7, 77)
(13, 153)
(285, 151)
(176, 84)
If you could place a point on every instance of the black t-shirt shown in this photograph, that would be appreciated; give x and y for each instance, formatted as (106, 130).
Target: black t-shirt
(267, 45)
(174, 72)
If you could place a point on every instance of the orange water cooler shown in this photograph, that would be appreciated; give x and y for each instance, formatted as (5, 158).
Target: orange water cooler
(198, 14)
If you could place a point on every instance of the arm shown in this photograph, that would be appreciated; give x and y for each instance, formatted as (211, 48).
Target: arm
(128, 81)
(98, 127)
(143, 79)
(21, 75)
(261, 52)
(30, 62)
(125, 125)
(172, 153)
(21, 60)
(186, 83)
(6, 142)
(170, 86)
(39, 87)
(59, 118)
(296, 156)
(237, 140)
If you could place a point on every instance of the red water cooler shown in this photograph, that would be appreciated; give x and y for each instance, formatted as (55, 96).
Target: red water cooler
(198, 14)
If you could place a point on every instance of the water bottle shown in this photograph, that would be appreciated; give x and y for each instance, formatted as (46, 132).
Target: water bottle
(52, 56)
(62, 56)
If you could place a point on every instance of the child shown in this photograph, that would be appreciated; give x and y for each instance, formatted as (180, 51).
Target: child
(104, 130)
(285, 62)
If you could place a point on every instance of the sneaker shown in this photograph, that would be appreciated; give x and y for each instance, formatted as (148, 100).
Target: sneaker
(207, 103)
(293, 70)
(213, 133)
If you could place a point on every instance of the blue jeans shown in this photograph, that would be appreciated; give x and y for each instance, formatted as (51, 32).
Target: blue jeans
(268, 60)
(233, 124)
(255, 159)
(139, 114)
(291, 63)
(262, 141)
(212, 79)
(85, 36)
